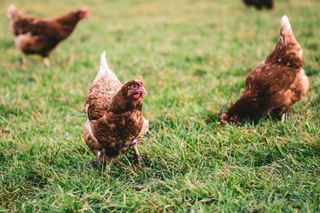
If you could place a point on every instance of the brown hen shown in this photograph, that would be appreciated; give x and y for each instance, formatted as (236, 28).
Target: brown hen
(276, 84)
(115, 121)
(40, 36)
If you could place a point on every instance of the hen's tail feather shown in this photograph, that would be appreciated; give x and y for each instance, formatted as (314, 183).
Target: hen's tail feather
(12, 11)
(287, 51)
(105, 70)
(285, 22)
(285, 27)
(286, 33)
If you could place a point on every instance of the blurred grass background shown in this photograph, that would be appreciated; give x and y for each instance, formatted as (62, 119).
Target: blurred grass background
(194, 56)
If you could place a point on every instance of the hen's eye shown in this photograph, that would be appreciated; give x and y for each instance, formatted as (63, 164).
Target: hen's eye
(134, 86)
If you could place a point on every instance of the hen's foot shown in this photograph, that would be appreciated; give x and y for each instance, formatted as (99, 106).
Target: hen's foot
(138, 158)
(102, 158)
(283, 114)
(23, 62)
(283, 117)
(46, 61)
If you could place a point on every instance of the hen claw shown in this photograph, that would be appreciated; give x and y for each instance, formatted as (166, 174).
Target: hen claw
(138, 161)
(138, 158)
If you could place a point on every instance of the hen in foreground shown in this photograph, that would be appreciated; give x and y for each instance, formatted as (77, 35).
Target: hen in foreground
(115, 121)
(275, 84)
(259, 4)
(41, 36)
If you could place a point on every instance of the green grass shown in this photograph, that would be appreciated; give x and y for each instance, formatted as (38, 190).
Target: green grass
(194, 56)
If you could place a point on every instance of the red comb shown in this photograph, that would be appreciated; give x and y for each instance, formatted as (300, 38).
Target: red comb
(86, 11)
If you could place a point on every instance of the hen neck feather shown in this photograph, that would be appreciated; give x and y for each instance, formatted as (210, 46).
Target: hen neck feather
(286, 56)
(68, 22)
(120, 103)
(248, 106)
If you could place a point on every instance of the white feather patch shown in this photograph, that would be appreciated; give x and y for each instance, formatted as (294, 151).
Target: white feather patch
(105, 69)
(11, 10)
(87, 125)
(285, 22)
(146, 123)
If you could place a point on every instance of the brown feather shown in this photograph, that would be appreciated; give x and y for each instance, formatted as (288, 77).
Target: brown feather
(100, 96)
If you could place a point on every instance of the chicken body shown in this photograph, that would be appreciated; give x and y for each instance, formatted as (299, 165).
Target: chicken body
(115, 121)
(259, 4)
(276, 84)
(40, 36)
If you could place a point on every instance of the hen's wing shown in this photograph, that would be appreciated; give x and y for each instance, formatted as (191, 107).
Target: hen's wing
(279, 71)
(35, 27)
(26, 24)
(268, 79)
(103, 88)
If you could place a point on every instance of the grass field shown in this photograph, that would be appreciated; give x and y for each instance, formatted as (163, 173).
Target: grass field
(194, 56)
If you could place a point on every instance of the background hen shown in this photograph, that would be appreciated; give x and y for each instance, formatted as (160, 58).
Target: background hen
(259, 4)
(275, 84)
(115, 120)
(39, 36)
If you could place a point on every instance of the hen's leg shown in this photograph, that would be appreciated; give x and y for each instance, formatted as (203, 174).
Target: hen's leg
(101, 157)
(98, 151)
(46, 61)
(283, 117)
(143, 131)
(283, 114)
(23, 60)
(137, 155)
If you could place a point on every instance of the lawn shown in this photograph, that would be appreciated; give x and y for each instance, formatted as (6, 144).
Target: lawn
(193, 56)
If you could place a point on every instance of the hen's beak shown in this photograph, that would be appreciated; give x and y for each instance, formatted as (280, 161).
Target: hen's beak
(142, 90)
